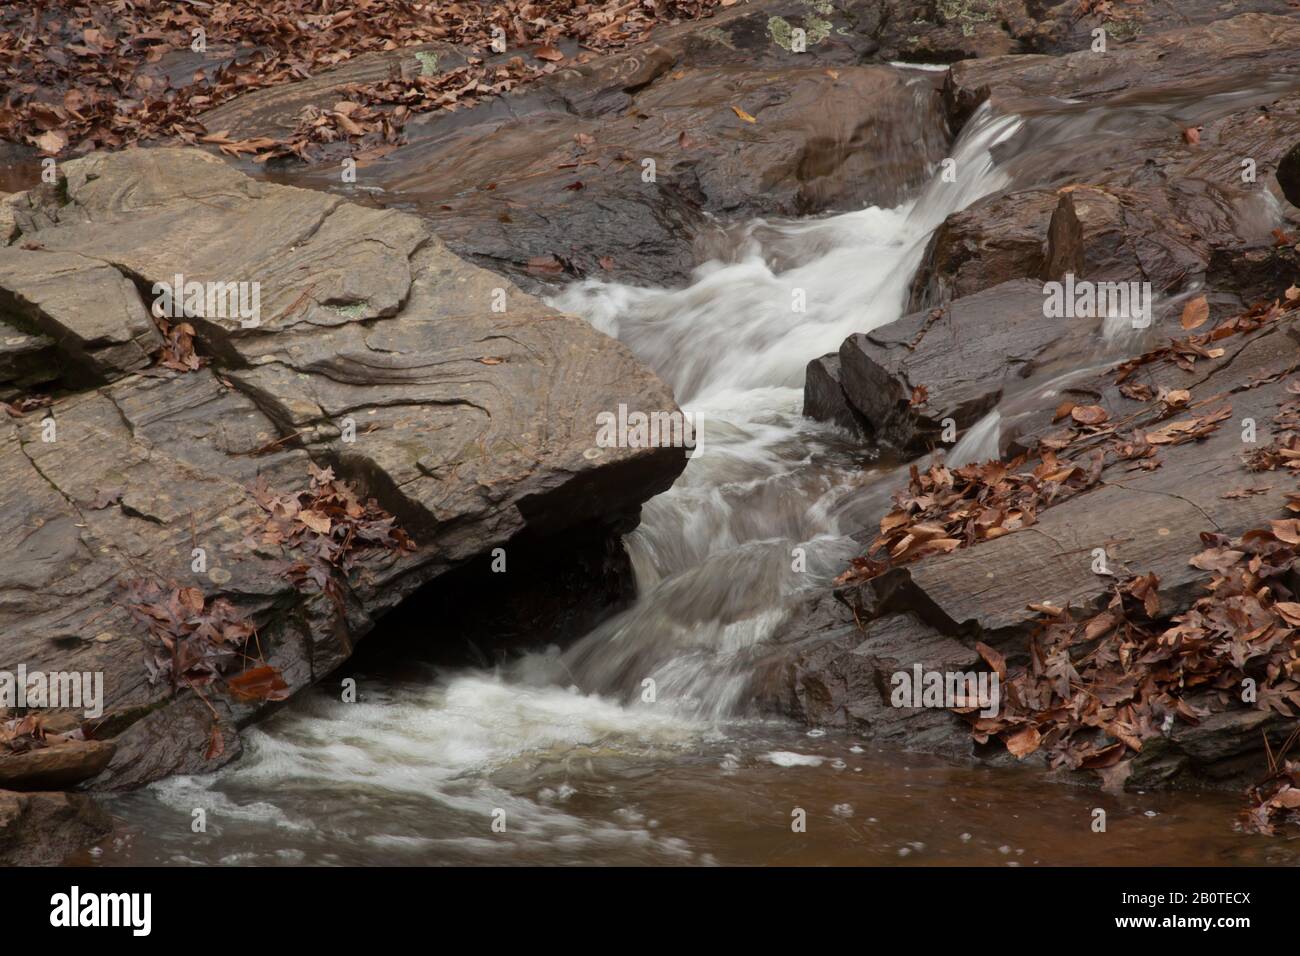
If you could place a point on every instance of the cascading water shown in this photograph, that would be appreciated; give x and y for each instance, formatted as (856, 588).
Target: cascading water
(560, 745)
(713, 555)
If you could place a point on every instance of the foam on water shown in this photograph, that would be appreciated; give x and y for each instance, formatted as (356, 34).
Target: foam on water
(712, 557)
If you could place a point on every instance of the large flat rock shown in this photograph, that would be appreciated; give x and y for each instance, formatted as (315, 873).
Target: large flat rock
(475, 427)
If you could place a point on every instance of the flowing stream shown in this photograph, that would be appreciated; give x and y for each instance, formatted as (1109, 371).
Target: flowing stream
(560, 743)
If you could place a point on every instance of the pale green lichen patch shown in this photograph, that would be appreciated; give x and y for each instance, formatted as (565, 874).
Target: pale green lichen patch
(353, 311)
(965, 13)
(428, 63)
(782, 33)
(1124, 30)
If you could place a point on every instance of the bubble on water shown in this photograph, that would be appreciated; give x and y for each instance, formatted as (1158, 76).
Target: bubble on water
(786, 758)
(842, 809)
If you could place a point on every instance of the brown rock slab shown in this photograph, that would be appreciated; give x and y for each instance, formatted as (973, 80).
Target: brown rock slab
(57, 767)
(468, 408)
(963, 357)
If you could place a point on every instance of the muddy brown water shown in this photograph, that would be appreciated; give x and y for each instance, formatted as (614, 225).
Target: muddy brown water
(556, 757)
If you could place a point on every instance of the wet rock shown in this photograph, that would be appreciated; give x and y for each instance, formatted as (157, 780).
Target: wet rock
(1223, 749)
(829, 670)
(551, 188)
(952, 364)
(1249, 46)
(57, 767)
(1156, 189)
(41, 829)
(824, 398)
(473, 424)
(1066, 26)
(990, 243)
(1255, 273)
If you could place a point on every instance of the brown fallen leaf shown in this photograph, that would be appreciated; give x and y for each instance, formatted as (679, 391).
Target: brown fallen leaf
(743, 115)
(549, 53)
(1245, 492)
(216, 743)
(1024, 742)
(1195, 313)
(1289, 612)
(317, 522)
(259, 683)
(1192, 135)
(1089, 414)
(993, 658)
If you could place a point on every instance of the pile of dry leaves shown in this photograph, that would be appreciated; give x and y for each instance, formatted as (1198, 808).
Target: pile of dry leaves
(200, 641)
(948, 508)
(1097, 686)
(329, 526)
(80, 76)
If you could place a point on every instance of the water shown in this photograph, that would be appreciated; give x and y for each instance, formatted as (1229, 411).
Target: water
(564, 746)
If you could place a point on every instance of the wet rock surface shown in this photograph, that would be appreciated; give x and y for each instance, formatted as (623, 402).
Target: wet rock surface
(952, 364)
(40, 829)
(1146, 522)
(472, 426)
(1147, 195)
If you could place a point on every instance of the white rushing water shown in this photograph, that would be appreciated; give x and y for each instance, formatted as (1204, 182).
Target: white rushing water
(712, 557)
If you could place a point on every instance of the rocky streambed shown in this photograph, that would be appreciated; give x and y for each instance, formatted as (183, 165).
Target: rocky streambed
(893, 224)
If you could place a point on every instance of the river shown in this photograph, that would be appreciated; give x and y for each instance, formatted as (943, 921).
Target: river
(559, 749)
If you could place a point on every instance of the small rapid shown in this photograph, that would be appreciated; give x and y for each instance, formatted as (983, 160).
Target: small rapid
(563, 744)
